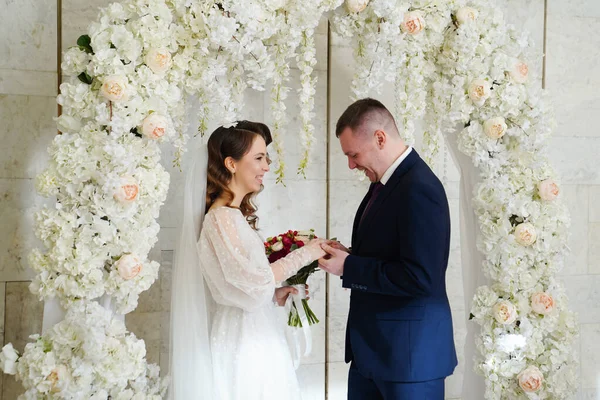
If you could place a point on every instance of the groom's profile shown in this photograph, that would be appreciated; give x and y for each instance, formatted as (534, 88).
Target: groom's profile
(399, 337)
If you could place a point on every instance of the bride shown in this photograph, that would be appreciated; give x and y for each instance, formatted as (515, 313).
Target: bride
(238, 350)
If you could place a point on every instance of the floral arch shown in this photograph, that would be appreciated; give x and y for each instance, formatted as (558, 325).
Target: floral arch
(454, 63)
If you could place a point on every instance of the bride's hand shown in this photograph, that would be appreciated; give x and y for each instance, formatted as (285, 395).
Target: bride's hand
(315, 248)
(282, 293)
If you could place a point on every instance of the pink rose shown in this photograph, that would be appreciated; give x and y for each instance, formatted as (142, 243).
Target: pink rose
(154, 126)
(525, 234)
(519, 72)
(114, 88)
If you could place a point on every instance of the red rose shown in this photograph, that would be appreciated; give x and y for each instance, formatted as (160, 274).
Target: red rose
(299, 243)
(287, 242)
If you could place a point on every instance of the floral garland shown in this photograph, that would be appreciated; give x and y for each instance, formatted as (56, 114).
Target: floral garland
(129, 79)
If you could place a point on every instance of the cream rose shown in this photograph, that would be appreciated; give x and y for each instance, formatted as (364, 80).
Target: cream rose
(525, 234)
(154, 126)
(466, 14)
(495, 128)
(505, 312)
(158, 60)
(127, 191)
(8, 359)
(530, 379)
(548, 190)
(128, 266)
(479, 91)
(277, 246)
(356, 6)
(413, 23)
(519, 71)
(114, 88)
(542, 303)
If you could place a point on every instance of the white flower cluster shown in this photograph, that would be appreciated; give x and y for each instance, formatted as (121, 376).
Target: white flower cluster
(88, 355)
(486, 86)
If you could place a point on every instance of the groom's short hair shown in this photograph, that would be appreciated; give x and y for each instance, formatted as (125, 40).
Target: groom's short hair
(365, 112)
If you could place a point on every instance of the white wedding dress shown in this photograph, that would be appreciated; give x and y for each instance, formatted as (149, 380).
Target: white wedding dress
(250, 355)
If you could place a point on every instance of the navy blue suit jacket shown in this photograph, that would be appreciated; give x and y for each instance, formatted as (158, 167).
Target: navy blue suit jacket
(399, 324)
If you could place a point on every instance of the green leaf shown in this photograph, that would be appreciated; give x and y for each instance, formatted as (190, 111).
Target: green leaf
(293, 247)
(85, 43)
(85, 78)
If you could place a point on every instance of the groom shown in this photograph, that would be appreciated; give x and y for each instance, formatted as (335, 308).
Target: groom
(399, 334)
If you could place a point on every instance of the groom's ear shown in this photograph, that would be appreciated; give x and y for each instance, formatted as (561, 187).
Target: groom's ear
(380, 138)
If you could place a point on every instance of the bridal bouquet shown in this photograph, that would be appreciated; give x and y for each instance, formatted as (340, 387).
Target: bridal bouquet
(280, 246)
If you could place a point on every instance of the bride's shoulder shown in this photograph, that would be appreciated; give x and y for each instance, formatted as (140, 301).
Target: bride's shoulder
(223, 212)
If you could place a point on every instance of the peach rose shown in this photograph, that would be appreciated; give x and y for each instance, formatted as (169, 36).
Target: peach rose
(114, 88)
(542, 303)
(505, 312)
(531, 379)
(413, 23)
(495, 128)
(127, 191)
(548, 190)
(158, 60)
(519, 71)
(525, 234)
(128, 266)
(479, 91)
(356, 6)
(154, 126)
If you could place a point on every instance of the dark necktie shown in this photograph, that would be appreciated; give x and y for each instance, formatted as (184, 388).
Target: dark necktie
(377, 186)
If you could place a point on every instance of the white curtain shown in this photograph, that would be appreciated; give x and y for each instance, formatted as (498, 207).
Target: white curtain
(472, 259)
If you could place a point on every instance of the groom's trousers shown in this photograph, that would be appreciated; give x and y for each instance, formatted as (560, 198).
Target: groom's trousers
(363, 388)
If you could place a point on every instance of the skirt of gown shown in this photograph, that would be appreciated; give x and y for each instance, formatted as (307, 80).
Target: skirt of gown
(251, 357)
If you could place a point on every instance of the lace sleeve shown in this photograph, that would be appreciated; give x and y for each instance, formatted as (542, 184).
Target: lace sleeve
(240, 274)
(290, 264)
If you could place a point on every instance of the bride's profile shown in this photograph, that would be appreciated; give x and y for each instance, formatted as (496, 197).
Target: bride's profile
(226, 342)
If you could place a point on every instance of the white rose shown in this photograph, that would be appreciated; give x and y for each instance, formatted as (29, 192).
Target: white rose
(495, 128)
(466, 14)
(8, 359)
(128, 266)
(479, 91)
(413, 23)
(114, 88)
(355, 6)
(530, 379)
(277, 246)
(542, 303)
(59, 378)
(548, 190)
(525, 234)
(519, 71)
(154, 126)
(158, 60)
(127, 191)
(301, 238)
(505, 312)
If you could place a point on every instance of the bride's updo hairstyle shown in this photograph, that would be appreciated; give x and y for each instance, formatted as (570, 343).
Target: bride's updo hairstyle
(232, 142)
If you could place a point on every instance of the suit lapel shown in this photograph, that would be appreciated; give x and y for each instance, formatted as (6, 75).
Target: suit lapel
(387, 189)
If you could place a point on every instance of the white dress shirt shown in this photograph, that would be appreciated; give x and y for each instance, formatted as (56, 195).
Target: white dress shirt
(390, 171)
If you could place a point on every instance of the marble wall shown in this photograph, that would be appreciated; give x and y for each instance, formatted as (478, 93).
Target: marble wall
(28, 81)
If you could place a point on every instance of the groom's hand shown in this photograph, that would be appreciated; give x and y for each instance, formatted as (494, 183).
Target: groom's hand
(333, 262)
